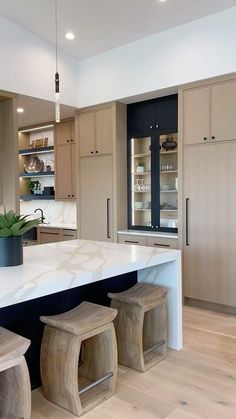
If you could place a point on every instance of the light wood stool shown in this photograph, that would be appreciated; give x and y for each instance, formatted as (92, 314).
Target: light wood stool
(15, 389)
(141, 325)
(79, 357)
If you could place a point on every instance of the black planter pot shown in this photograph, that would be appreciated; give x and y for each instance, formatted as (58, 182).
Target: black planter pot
(11, 251)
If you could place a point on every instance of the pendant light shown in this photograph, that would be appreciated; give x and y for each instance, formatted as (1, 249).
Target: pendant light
(57, 78)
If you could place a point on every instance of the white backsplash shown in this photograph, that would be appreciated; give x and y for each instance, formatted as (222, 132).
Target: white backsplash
(55, 212)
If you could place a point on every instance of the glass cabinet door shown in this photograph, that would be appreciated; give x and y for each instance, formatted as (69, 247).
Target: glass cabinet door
(141, 185)
(168, 181)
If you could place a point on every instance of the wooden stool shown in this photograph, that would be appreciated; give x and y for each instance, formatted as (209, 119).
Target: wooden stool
(15, 390)
(141, 325)
(79, 357)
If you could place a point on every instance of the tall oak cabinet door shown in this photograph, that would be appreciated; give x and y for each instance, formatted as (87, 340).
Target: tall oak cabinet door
(196, 124)
(87, 134)
(223, 121)
(104, 131)
(210, 223)
(96, 205)
(63, 172)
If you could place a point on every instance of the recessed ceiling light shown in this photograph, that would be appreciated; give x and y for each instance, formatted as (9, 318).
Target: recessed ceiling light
(20, 110)
(70, 36)
(162, 1)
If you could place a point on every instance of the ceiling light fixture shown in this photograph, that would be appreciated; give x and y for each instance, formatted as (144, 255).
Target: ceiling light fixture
(70, 36)
(162, 1)
(57, 78)
(20, 110)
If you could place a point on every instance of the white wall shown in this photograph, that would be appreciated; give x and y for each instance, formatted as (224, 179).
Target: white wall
(28, 65)
(191, 52)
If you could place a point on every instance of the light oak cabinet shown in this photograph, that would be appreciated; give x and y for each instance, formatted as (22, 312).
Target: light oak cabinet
(65, 161)
(102, 186)
(52, 235)
(96, 198)
(209, 113)
(95, 132)
(209, 223)
(155, 241)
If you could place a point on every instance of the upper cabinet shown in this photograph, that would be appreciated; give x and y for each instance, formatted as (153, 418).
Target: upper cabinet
(209, 113)
(144, 118)
(95, 132)
(65, 160)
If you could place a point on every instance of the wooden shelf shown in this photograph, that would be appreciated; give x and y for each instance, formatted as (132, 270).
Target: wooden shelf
(141, 191)
(164, 153)
(141, 174)
(41, 174)
(168, 191)
(41, 150)
(37, 197)
(142, 155)
(168, 171)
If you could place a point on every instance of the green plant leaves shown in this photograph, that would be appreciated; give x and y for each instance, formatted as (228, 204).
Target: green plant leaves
(12, 224)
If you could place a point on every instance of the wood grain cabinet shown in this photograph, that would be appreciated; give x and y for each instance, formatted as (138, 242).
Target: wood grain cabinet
(52, 235)
(209, 223)
(142, 240)
(209, 113)
(65, 161)
(102, 203)
(95, 132)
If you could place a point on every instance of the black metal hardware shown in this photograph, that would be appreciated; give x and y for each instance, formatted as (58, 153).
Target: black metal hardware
(42, 215)
(108, 218)
(205, 138)
(67, 141)
(131, 241)
(71, 141)
(213, 137)
(91, 152)
(161, 245)
(68, 196)
(73, 196)
(187, 214)
(96, 151)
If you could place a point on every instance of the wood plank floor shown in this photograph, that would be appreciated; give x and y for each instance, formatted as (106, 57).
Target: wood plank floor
(197, 382)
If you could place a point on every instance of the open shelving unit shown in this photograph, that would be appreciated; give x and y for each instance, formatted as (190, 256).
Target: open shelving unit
(27, 137)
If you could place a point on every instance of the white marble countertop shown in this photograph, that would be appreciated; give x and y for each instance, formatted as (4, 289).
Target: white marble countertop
(55, 267)
(59, 225)
(149, 233)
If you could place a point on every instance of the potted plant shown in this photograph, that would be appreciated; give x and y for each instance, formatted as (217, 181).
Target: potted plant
(140, 167)
(12, 228)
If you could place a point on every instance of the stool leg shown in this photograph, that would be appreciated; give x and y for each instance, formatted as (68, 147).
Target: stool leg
(99, 359)
(59, 369)
(15, 392)
(129, 332)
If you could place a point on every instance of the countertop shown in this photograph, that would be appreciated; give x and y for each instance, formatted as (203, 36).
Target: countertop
(54, 267)
(149, 233)
(59, 225)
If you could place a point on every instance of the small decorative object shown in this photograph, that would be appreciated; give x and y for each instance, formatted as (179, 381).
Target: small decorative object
(33, 164)
(140, 166)
(39, 143)
(48, 190)
(12, 228)
(31, 185)
(169, 144)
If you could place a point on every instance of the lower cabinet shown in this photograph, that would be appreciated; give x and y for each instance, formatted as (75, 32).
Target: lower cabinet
(52, 235)
(155, 241)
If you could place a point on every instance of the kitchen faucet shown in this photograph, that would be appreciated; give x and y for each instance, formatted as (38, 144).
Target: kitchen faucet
(42, 216)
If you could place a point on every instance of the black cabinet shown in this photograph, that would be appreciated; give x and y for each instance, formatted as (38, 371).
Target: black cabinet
(153, 170)
(156, 114)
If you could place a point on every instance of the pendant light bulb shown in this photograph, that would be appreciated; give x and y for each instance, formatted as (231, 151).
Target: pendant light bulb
(57, 98)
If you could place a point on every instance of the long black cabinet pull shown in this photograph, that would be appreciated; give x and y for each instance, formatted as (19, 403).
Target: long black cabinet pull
(131, 241)
(187, 215)
(108, 218)
(161, 245)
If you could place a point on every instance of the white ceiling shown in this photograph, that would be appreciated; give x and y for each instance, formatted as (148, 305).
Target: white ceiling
(100, 25)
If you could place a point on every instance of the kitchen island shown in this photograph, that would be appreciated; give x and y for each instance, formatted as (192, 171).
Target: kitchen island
(56, 277)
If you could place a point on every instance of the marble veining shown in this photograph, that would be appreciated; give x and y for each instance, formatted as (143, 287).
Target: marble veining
(55, 267)
(57, 213)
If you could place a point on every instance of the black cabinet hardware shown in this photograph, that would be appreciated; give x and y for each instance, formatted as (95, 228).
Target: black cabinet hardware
(96, 151)
(187, 215)
(91, 152)
(68, 196)
(108, 218)
(131, 241)
(205, 138)
(67, 141)
(213, 137)
(161, 245)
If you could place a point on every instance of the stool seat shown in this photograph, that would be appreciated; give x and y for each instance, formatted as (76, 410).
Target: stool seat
(12, 348)
(141, 294)
(82, 319)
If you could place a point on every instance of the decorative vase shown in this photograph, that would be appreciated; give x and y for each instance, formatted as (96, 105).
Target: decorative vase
(169, 143)
(11, 251)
